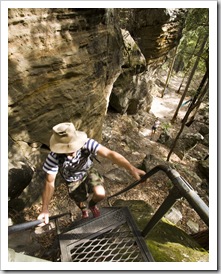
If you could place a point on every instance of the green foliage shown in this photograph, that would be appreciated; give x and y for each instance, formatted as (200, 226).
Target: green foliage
(198, 19)
(196, 27)
(166, 126)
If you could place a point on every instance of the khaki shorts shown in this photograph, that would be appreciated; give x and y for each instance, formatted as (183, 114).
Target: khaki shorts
(81, 193)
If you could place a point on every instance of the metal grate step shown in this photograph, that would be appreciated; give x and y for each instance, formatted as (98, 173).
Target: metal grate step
(112, 237)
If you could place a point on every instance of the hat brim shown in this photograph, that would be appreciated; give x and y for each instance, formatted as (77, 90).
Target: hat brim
(69, 147)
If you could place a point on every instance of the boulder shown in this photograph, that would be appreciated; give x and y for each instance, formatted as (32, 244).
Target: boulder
(205, 140)
(163, 138)
(204, 130)
(19, 177)
(185, 143)
(20, 172)
(203, 167)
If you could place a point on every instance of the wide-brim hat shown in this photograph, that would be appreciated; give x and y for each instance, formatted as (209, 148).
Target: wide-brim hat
(66, 139)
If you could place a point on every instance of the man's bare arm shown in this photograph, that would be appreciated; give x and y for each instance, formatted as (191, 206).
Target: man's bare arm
(46, 196)
(121, 161)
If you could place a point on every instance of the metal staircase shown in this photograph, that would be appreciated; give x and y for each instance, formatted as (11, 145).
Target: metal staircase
(114, 236)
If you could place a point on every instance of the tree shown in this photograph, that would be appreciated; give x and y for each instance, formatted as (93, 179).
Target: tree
(190, 77)
(191, 120)
(196, 26)
(202, 84)
(181, 84)
(197, 99)
(169, 72)
(188, 65)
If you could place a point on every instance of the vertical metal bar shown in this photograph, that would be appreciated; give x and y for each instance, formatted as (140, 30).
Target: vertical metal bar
(162, 210)
(190, 194)
(57, 227)
(194, 200)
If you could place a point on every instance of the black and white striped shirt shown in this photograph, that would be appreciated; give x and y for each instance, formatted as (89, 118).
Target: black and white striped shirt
(72, 168)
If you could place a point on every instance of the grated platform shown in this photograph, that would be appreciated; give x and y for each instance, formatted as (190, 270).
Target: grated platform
(112, 237)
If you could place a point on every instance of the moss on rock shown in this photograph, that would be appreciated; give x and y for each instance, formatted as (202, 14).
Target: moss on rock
(166, 242)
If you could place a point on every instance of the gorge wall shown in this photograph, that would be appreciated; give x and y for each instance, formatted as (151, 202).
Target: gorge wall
(68, 65)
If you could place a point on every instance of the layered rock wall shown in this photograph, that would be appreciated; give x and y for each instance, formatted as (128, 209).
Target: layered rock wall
(153, 34)
(62, 65)
(65, 63)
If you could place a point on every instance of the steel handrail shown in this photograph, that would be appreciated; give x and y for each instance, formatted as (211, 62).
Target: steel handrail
(181, 189)
(28, 225)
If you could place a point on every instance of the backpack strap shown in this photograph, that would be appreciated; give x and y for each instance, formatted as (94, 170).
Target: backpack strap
(87, 154)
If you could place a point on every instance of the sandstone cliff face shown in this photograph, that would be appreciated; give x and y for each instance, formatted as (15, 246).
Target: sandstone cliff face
(64, 63)
(155, 32)
(129, 91)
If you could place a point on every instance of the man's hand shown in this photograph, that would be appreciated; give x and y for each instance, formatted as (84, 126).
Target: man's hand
(137, 173)
(44, 215)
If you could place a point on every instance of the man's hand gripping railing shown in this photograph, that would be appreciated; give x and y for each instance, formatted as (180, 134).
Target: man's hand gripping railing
(28, 225)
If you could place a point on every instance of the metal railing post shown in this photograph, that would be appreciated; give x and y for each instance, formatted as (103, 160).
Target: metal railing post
(191, 196)
(162, 210)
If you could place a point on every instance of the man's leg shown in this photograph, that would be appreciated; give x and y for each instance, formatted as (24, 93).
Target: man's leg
(96, 188)
(98, 195)
(83, 209)
(80, 196)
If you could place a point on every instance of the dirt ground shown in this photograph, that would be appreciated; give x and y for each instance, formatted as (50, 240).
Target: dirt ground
(156, 189)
